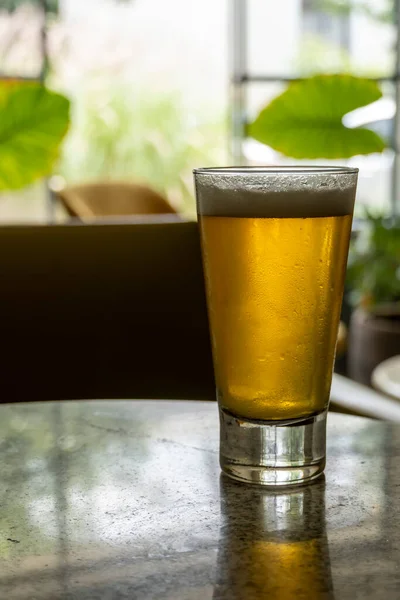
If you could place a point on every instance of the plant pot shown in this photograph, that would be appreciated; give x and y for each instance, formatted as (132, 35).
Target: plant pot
(374, 337)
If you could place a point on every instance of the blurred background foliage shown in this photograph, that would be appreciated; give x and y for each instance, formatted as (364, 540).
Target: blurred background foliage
(346, 7)
(51, 6)
(374, 262)
(119, 132)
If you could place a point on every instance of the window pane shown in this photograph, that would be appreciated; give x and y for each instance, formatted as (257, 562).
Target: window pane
(20, 52)
(274, 31)
(298, 37)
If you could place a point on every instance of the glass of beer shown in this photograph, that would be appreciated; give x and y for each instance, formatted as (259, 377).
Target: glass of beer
(274, 244)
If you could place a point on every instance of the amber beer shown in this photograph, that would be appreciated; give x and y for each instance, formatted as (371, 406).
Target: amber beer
(275, 244)
(274, 295)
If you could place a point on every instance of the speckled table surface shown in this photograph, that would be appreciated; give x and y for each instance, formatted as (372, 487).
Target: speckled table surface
(125, 500)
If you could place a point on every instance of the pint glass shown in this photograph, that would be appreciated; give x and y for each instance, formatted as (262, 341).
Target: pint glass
(274, 245)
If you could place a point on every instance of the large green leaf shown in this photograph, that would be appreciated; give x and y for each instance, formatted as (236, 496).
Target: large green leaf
(305, 121)
(33, 123)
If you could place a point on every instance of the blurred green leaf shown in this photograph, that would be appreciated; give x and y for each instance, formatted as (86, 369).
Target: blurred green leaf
(305, 121)
(33, 123)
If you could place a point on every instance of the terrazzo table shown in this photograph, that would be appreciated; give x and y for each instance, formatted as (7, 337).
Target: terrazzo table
(118, 500)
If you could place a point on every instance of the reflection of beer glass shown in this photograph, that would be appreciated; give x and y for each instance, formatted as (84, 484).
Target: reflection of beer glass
(275, 243)
(273, 545)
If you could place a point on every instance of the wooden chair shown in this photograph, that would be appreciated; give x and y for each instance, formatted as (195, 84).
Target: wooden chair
(104, 199)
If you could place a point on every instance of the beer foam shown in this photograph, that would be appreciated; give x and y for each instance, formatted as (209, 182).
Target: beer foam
(275, 194)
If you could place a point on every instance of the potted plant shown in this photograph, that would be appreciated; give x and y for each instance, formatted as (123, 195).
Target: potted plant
(374, 279)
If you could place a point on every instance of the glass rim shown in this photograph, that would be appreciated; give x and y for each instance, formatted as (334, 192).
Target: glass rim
(276, 170)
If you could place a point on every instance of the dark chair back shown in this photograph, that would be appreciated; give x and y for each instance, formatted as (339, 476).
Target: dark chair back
(103, 311)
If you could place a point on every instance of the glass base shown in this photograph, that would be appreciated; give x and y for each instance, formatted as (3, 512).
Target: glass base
(272, 453)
